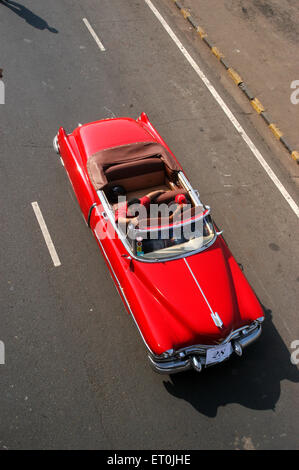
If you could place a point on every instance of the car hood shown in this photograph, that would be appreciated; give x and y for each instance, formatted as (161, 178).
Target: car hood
(195, 298)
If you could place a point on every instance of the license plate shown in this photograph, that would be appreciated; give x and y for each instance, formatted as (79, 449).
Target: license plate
(218, 353)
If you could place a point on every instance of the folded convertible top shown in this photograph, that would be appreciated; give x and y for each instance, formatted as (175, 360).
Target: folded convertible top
(98, 163)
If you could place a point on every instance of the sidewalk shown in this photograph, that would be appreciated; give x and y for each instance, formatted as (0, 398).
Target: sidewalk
(260, 41)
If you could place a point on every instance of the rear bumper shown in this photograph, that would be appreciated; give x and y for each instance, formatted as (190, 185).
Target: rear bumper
(194, 357)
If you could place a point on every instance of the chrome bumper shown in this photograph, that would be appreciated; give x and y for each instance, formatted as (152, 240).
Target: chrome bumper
(194, 357)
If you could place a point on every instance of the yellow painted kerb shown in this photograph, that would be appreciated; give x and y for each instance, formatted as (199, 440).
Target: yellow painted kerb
(217, 53)
(295, 156)
(275, 131)
(185, 13)
(257, 105)
(201, 32)
(235, 76)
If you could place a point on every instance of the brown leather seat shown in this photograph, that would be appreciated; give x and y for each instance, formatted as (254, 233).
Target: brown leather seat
(169, 196)
(136, 175)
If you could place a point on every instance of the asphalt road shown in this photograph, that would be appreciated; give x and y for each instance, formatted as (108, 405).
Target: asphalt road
(76, 374)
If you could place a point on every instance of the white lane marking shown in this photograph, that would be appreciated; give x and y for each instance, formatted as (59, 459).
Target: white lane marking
(227, 111)
(94, 35)
(46, 234)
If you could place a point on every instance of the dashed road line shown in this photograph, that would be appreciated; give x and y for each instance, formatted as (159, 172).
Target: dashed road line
(46, 234)
(94, 35)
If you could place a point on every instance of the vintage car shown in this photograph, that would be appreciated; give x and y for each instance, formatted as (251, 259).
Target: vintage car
(186, 293)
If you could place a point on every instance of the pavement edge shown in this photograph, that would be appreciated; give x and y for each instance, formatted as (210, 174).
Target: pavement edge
(237, 79)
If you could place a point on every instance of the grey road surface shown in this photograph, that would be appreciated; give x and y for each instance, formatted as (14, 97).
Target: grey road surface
(76, 374)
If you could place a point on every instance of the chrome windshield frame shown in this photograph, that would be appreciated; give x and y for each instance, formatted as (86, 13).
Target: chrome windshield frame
(123, 238)
(180, 255)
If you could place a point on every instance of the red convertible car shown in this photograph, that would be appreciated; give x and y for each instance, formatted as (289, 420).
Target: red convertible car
(178, 280)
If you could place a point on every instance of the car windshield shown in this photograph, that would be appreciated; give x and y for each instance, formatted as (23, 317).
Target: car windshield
(174, 241)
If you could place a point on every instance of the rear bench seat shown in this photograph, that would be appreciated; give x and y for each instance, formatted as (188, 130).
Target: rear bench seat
(137, 175)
